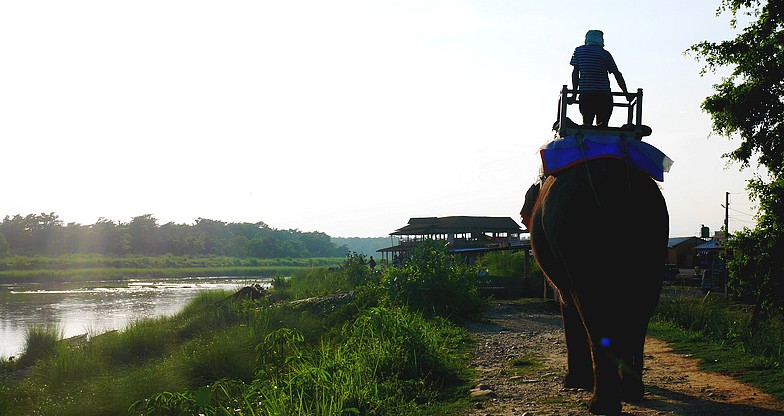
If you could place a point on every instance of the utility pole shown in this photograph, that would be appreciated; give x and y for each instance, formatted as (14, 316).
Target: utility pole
(726, 237)
(727, 215)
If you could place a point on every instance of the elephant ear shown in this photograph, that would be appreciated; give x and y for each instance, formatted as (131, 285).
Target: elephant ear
(531, 197)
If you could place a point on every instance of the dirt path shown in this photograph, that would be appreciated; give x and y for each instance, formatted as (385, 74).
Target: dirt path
(521, 360)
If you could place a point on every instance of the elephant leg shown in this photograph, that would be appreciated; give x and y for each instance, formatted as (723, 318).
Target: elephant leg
(632, 388)
(606, 398)
(579, 372)
(606, 347)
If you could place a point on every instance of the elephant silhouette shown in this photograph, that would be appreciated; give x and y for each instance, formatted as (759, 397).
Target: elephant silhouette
(599, 232)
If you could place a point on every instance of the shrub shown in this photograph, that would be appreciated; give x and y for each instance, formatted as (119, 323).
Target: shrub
(434, 282)
(503, 263)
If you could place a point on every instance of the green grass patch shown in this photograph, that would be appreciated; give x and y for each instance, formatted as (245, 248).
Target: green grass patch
(19, 269)
(717, 332)
(527, 366)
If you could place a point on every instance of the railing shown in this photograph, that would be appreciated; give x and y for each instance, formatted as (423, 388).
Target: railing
(633, 117)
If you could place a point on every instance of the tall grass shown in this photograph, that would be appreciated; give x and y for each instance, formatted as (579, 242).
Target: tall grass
(386, 361)
(718, 331)
(140, 340)
(717, 318)
(227, 355)
(40, 342)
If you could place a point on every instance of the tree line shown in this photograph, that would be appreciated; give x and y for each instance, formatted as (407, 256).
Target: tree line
(748, 105)
(46, 235)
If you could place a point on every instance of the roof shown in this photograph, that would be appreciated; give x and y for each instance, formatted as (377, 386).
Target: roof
(458, 224)
(523, 245)
(710, 245)
(672, 242)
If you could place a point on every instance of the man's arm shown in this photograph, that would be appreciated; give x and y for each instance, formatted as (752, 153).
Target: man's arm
(622, 84)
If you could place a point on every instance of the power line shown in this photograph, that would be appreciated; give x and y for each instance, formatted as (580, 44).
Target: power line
(742, 212)
(743, 221)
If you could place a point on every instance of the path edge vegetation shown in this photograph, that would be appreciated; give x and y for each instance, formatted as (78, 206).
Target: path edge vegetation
(340, 340)
(345, 340)
(743, 339)
(747, 106)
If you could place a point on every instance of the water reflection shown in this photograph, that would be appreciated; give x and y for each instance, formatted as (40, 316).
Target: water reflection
(96, 307)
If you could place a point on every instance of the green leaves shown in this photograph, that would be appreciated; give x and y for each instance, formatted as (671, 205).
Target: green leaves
(434, 282)
(750, 104)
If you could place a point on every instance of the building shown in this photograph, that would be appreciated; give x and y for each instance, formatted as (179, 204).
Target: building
(470, 237)
(680, 251)
(463, 234)
(707, 252)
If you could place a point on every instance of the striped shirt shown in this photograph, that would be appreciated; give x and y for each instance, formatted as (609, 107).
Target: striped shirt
(594, 63)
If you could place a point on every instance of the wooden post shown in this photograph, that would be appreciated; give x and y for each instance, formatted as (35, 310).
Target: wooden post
(639, 107)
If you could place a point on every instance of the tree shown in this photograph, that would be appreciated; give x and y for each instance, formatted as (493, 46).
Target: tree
(108, 237)
(749, 104)
(4, 248)
(32, 234)
(144, 234)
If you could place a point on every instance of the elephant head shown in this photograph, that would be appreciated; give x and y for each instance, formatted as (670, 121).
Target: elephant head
(599, 233)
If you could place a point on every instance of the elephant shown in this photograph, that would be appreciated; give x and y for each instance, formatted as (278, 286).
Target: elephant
(599, 233)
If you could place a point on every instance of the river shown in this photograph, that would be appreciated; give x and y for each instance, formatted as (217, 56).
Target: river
(96, 307)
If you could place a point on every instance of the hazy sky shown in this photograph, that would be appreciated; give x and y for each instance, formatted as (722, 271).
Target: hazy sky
(347, 117)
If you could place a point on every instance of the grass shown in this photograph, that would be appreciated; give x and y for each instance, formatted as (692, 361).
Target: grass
(527, 366)
(41, 341)
(225, 355)
(716, 330)
(75, 268)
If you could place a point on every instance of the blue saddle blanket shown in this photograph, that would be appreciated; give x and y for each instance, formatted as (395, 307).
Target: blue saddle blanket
(565, 152)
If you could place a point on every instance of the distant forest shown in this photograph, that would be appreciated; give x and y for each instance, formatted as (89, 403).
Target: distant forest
(47, 235)
(365, 245)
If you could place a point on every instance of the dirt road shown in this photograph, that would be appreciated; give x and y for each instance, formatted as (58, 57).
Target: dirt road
(521, 360)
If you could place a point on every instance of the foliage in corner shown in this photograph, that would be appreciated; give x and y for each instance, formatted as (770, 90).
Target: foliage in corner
(749, 104)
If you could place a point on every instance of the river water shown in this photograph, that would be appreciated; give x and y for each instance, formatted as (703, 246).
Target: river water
(96, 307)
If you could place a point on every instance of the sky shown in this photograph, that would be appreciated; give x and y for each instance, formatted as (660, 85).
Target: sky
(344, 117)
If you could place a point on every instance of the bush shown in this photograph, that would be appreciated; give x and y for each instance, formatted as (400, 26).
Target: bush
(503, 263)
(435, 282)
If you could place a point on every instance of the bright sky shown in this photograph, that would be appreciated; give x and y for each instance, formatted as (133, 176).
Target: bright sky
(346, 117)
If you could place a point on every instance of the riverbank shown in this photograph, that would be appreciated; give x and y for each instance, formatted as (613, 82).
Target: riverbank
(93, 307)
(291, 350)
(83, 268)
